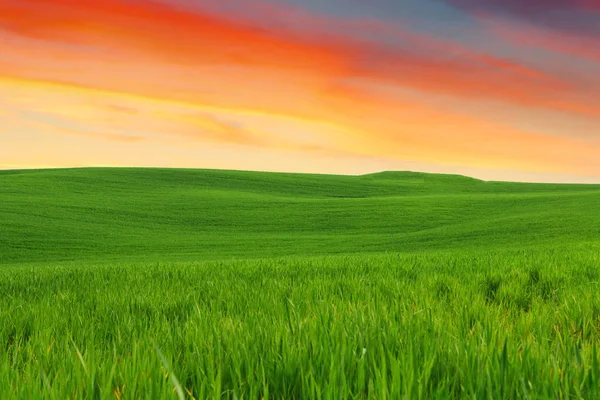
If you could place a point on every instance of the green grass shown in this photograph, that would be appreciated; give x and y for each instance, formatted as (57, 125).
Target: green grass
(507, 325)
(100, 214)
(148, 283)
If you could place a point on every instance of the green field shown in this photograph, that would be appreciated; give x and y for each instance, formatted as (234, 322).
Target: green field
(157, 283)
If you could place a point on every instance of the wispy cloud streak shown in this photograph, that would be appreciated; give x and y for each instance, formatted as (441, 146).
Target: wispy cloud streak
(285, 78)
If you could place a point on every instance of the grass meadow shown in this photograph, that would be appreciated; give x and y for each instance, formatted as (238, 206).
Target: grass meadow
(172, 284)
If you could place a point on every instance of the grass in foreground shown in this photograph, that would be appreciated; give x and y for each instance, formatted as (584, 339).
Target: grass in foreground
(108, 291)
(458, 325)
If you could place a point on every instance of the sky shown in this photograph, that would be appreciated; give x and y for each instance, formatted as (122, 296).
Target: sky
(496, 89)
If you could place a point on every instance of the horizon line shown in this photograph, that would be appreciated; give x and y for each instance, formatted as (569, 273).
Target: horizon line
(97, 167)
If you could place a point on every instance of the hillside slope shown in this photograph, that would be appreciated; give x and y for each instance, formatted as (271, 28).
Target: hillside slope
(163, 214)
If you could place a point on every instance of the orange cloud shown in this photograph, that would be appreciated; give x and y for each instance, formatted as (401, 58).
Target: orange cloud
(400, 132)
(141, 71)
(150, 33)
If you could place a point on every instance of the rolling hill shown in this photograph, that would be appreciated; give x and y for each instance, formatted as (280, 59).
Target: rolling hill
(175, 214)
(156, 283)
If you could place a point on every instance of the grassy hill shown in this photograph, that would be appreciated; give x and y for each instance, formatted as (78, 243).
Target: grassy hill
(120, 283)
(102, 214)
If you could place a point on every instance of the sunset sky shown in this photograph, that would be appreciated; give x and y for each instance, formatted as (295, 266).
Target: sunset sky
(497, 89)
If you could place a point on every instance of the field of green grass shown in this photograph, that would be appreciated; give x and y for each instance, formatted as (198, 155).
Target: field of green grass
(163, 215)
(157, 283)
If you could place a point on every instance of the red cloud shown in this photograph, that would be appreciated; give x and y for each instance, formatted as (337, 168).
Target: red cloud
(169, 35)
